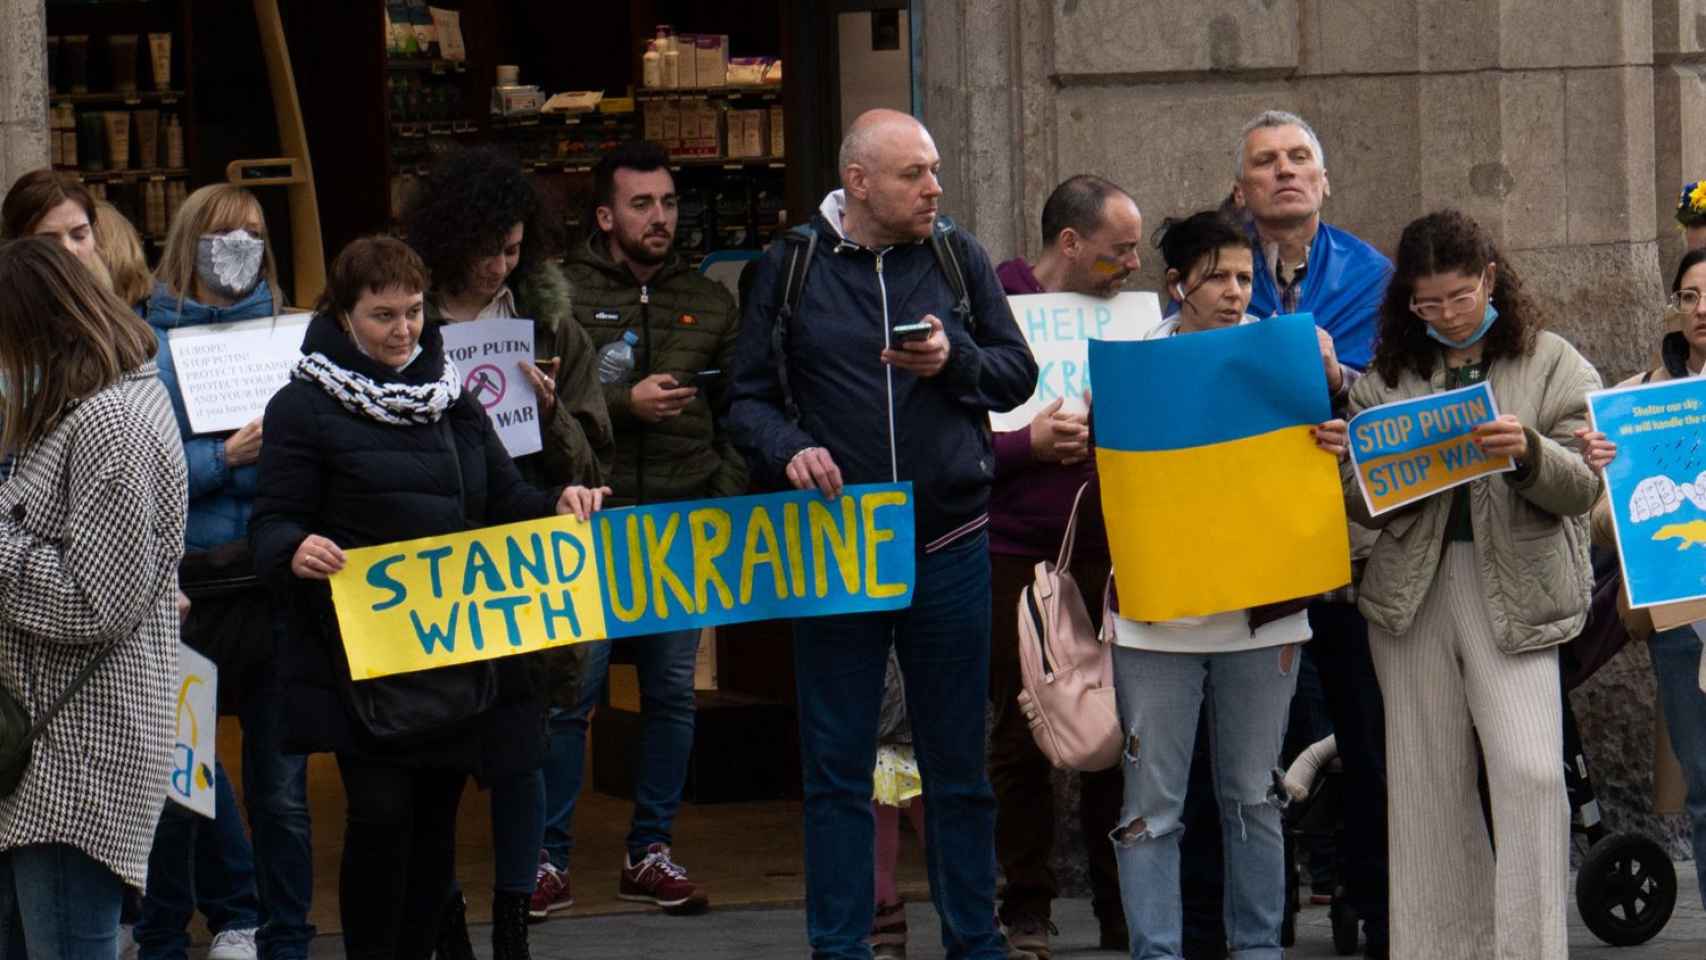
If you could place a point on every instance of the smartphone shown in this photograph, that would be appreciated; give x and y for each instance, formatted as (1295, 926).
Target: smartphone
(911, 332)
(702, 380)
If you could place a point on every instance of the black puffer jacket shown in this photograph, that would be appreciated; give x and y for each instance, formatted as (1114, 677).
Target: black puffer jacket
(359, 483)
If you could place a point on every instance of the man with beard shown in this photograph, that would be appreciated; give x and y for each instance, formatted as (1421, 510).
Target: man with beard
(664, 409)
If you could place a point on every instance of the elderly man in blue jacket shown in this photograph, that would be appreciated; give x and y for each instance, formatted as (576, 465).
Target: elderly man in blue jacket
(825, 393)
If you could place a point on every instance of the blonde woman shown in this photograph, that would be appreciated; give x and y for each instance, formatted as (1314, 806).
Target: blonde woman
(217, 267)
(119, 248)
(91, 530)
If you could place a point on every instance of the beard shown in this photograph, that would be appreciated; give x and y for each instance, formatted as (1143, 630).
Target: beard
(635, 249)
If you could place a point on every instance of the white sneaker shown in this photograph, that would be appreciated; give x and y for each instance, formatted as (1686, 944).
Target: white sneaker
(233, 945)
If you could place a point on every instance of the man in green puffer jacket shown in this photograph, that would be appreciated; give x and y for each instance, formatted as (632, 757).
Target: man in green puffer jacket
(668, 446)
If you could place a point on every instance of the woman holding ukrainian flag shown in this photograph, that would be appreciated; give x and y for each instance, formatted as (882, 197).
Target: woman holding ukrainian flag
(1242, 661)
(1467, 594)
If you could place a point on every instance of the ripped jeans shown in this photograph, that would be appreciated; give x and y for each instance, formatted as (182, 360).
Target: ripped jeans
(1248, 695)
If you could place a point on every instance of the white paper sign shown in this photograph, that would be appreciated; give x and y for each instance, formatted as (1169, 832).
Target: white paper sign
(193, 754)
(488, 354)
(228, 371)
(1059, 328)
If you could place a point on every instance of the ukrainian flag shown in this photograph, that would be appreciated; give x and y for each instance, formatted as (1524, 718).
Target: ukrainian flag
(1214, 493)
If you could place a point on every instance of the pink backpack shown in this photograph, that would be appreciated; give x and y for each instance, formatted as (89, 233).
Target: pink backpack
(1067, 669)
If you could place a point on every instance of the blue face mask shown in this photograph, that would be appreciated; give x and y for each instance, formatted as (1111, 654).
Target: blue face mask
(1474, 338)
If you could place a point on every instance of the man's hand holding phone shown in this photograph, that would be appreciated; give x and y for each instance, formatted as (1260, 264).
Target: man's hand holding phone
(917, 352)
(658, 398)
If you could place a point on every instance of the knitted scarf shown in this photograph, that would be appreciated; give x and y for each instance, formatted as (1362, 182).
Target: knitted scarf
(399, 404)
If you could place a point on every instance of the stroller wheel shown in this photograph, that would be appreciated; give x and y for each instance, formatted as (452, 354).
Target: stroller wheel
(1626, 889)
(1345, 922)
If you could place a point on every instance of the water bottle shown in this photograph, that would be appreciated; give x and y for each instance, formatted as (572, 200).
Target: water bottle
(616, 358)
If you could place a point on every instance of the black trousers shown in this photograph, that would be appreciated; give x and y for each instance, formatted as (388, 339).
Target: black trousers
(399, 857)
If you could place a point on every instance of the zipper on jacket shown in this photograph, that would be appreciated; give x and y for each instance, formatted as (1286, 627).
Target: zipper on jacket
(888, 370)
(646, 351)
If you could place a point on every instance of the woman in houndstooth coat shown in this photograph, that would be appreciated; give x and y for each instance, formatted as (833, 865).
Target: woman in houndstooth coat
(91, 531)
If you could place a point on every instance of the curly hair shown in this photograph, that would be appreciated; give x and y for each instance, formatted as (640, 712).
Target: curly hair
(463, 209)
(1443, 242)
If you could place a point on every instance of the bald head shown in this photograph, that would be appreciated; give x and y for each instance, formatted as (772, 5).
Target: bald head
(873, 133)
(888, 172)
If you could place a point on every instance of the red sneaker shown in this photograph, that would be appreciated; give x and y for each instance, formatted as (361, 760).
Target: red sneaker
(550, 891)
(660, 880)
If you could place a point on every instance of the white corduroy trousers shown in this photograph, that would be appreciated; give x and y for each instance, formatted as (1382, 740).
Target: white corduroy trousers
(1446, 683)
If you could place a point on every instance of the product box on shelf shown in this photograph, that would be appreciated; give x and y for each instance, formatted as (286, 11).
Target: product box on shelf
(711, 54)
(687, 64)
(777, 139)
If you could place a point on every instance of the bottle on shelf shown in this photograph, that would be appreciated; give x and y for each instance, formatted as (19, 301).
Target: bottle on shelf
(671, 72)
(651, 69)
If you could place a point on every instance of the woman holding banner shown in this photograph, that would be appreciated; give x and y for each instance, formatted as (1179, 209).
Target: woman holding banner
(91, 530)
(1242, 661)
(217, 268)
(372, 442)
(1468, 593)
(483, 232)
(1676, 651)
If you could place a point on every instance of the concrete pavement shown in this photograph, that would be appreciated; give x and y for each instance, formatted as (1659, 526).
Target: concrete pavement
(778, 933)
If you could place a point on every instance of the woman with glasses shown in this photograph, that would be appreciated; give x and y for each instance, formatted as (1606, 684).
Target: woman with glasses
(1467, 595)
(1675, 652)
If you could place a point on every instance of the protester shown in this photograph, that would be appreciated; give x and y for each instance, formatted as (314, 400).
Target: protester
(1305, 265)
(119, 248)
(1467, 595)
(89, 547)
(373, 441)
(1691, 215)
(665, 407)
(57, 205)
(482, 231)
(844, 402)
(1675, 652)
(217, 267)
(1240, 663)
(1091, 230)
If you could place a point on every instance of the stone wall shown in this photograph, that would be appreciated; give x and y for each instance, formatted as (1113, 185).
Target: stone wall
(23, 88)
(1565, 126)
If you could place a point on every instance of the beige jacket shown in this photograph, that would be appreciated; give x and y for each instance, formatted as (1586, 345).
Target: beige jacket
(1531, 536)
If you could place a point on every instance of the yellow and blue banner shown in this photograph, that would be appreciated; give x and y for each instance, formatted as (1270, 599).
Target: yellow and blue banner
(523, 587)
(1215, 495)
(1656, 486)
(1412, 449)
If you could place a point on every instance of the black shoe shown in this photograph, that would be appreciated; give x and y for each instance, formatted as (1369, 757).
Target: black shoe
(453, 943)
(509, 926)
(1374, 951)
(1204, 950)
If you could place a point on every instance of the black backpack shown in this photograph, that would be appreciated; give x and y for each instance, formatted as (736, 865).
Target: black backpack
(800, 242)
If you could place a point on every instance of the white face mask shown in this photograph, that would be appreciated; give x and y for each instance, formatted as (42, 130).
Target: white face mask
(229, 264)
(415, 355)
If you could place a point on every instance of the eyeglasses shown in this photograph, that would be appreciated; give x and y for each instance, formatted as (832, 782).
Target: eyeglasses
(1685, 300)
(1435, 309)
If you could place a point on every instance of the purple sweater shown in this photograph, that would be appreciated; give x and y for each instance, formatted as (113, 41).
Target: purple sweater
(1031, 501)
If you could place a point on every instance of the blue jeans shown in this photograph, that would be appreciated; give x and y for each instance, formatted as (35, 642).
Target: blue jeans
(57, 903)
(943, 646)
(197, 863)
(518, 822)
(1676, 666)
(664, 662)
(275, 791)
(1160, 695)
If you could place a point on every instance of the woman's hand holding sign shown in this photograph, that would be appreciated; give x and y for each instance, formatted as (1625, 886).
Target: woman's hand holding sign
(316, 558)
(1597, 451)
(1332, 437)
(583, 502)
(1503, 437)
